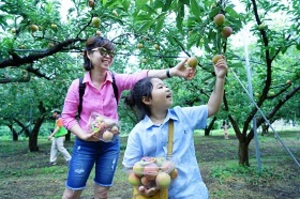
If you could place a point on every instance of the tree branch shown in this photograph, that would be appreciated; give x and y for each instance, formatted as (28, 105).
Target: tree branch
(18, 61)
(268, 68)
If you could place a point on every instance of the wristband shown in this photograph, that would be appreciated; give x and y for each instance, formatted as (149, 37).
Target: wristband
(168, 73)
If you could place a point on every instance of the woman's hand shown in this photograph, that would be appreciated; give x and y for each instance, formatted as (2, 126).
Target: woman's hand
(90, 137)
(80, 133)
(181, 70)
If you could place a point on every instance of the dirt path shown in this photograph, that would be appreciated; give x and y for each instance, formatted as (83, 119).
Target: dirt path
(26, 175)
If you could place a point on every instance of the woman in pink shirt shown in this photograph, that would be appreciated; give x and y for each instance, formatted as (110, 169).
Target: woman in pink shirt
(99, 97)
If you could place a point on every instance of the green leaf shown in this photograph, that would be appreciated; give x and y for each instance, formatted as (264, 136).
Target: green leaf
(283, 49)
(125, 4)
(148, 9)
(195, 8)
(145, 26)
(179, 18)
(207, 47)
(193, 40)
(231, 12)
(184, 2)
(208, 77)
(214, 12)
(160, 23)
(104, 2)
(142, 17)
(237, 65)
(167, 5)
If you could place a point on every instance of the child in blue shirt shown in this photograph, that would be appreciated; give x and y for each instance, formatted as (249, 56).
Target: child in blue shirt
(149, 137)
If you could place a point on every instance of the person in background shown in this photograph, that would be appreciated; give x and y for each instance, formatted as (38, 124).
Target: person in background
(99, 97)
(225, 128)
(149, 137)
(58, 137)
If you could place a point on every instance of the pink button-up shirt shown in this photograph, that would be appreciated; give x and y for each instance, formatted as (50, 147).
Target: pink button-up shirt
(101, 101)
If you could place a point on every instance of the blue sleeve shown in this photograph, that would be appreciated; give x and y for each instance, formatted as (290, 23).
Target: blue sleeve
(133, 151)
(195, 116)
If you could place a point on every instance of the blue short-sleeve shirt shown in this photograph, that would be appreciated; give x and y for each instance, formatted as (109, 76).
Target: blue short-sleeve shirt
(148, 139)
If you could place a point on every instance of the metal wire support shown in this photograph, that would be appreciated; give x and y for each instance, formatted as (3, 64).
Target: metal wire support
(265, 118)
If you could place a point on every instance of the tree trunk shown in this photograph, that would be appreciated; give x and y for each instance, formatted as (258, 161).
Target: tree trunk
(243, 142)
(33, 139)
(210, 126)
(15, 136)
(68, 136)
(243, 154)
(33, 147)
(14, 132)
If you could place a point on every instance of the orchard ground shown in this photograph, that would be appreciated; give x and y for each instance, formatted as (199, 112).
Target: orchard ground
(26, 175)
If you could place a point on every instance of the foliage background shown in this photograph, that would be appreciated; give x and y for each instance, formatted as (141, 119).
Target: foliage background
(37, 67)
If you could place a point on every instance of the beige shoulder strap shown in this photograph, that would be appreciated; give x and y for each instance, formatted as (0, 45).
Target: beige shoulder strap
(170, 138)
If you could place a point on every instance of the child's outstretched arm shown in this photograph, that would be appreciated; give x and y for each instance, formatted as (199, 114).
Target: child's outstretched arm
(216, 97)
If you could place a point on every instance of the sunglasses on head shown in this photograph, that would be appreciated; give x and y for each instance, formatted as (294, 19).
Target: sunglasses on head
(103, 51)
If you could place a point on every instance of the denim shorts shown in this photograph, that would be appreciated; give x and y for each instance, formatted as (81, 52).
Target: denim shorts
(104, 155)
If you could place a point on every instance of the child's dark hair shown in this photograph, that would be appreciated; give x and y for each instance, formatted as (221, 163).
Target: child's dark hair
(94, 42)
(142, 88)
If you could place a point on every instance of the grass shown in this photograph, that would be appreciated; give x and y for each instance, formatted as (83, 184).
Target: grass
(25, 174)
